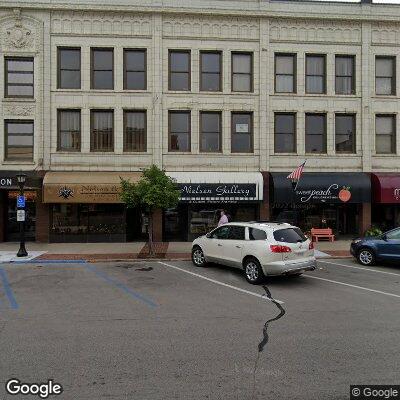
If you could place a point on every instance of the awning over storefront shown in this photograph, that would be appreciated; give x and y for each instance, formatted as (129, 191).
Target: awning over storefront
(85, 187)
(317, 188)
(219, 186)
(386, 188)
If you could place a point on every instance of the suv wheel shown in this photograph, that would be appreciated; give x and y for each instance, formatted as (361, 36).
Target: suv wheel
(366, 257)
(253, 271)
(198, 257)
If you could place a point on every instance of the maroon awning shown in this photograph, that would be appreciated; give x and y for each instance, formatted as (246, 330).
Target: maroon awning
(386, 188)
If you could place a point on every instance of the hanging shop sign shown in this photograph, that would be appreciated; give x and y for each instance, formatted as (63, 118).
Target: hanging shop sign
(315, 188)
(218, 191)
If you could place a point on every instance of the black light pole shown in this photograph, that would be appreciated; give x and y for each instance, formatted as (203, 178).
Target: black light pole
(21, 179)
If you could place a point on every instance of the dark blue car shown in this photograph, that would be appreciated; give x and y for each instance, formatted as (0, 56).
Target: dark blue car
(373, 249)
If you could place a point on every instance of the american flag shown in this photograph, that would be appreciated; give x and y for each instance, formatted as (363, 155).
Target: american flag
(296, 174)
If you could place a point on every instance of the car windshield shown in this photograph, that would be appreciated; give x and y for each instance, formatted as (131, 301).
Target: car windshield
(289, 235)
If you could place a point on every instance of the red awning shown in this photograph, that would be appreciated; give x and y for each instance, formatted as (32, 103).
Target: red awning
(386, 188)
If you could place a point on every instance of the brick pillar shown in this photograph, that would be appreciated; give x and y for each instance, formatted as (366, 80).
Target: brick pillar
(3, 210)
(42, 219)
(264, 210)
(157, 226)
(365, 217)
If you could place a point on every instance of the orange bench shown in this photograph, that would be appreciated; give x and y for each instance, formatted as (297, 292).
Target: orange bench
(323, 233)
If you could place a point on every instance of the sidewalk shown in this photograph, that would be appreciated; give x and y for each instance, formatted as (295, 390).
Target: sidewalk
(131, 251)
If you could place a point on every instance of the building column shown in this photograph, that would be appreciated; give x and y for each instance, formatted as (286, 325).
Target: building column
(42, 219)
(365, 218)
(157, 226)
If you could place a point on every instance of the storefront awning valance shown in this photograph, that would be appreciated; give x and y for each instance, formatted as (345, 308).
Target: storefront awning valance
(219, 186)
(85, 187)
(317, 188)
(386, 188)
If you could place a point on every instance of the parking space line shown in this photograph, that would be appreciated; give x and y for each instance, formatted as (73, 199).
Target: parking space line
(362, 268)
(353, 286)
(121, 286)
(8, 291)
(262, 296)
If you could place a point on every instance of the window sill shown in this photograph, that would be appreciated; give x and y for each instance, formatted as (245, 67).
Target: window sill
(19, 100)
(21, 162)
(384, 155)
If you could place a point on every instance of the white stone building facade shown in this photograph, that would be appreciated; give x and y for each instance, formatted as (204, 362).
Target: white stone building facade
(263, 29)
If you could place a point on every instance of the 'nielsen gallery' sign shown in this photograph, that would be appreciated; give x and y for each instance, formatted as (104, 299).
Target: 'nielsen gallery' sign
(218, 190)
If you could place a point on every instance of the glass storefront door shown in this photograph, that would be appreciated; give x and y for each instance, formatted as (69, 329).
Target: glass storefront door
(12, 226)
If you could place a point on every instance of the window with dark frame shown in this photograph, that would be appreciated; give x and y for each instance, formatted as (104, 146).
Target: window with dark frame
(101, 130)
(135, 66)
(210, 131)
(285, 133)
(211, 71)
(69, 130)
(242, 72)
(315, 133)
(69, 68)
(385, 75)
(135, 122)
(345, 133)
(179, 70)
(385, 134)
(242, 132)
(315, 73)
(102, 68)
(285, 73)
(19, 80)
(18, 140)
(179, 131)
(345, 74)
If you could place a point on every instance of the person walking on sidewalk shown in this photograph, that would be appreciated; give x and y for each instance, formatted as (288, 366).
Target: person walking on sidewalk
(223, 219)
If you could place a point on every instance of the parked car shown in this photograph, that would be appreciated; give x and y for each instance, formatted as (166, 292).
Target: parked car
(259, 248)
(372, 249)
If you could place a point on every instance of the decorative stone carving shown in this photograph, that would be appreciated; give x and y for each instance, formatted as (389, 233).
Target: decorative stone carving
(90, 23)
(317, 31)
(387, 33)
(18, 36)
(18, 109)
(237, 28)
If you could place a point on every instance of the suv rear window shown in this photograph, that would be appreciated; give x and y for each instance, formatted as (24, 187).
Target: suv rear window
(289, 235)
(257, 234)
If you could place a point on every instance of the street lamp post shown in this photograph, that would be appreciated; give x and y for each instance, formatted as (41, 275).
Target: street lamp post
(21, 179)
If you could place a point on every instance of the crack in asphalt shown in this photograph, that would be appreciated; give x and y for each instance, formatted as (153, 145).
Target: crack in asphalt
(265, 338)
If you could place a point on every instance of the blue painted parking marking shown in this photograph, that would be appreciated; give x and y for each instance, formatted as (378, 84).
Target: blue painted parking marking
(8, 290)
(121, 286)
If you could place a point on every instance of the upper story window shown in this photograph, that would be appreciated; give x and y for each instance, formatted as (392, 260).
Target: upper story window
(102, 130)
(242, 72)
(69, 130)
(18, 140)
(242, 133)
(345, 133)
(210, 131)
(315, 73)
(179, 70)
(102, 74)
(135, 130)
(18, 77)
(179, 131)
(211, 71)
(315, 133)
(135, 69)
(285, 73)
(345, 74)
(69, 68)
(385, 130)
(385, 75)
(285, 133)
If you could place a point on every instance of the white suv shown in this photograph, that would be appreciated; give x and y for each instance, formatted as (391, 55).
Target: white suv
(259, 248)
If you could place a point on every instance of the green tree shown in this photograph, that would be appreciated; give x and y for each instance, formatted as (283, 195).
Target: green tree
(154, 191)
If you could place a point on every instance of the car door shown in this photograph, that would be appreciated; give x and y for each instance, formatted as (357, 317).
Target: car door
(389, 245)
(233, 247)
(216, 240)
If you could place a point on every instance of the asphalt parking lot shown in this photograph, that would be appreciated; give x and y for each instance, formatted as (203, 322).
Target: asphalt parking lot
(167, 330)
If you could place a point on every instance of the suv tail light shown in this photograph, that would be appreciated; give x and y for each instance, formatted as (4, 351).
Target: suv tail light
(277, 248)
(311, 246)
